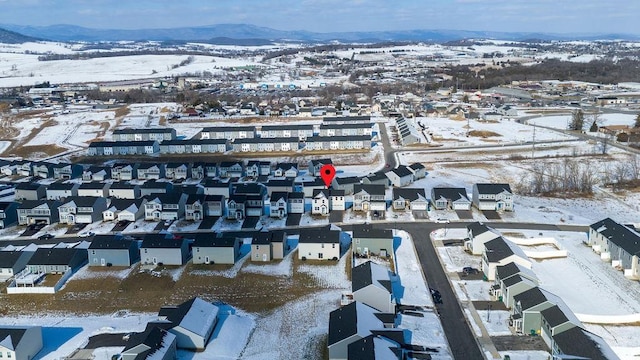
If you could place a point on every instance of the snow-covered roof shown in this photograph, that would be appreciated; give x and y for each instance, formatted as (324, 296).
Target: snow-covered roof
(196, 315)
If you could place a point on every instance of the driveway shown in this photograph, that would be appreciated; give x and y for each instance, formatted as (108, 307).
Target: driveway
(491, 215)
(293, 219)
(336, 216)
(208, 222)
(250, 222)
(464, 214)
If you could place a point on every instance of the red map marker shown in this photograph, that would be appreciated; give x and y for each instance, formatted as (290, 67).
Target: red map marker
(327, 173)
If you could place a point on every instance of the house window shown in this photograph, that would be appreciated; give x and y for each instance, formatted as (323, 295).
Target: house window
(145, 251)
(257, 247)
(333, 246)
(93, 252)
(322, 246)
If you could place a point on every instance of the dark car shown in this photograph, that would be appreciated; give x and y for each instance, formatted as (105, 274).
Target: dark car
(435, 294)
(468, 270)
(46, 236)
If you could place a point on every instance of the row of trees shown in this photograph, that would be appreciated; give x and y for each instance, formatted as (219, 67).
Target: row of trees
(569, 177)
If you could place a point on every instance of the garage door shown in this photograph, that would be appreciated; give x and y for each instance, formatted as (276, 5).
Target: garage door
(486, 205)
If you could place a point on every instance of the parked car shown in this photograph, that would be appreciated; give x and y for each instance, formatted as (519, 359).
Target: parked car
(46, 236)
(442, 221)
(435, 294)
(468, 270)
(86, 234)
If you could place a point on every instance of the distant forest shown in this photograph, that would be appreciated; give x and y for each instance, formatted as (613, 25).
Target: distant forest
(597, 71)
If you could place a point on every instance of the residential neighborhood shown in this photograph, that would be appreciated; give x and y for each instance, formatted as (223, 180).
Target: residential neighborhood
(393, 197)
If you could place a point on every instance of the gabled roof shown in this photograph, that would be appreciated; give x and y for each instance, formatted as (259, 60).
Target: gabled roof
(153, 337)
(195, 315)
(320, 162)
(207, 240)
(60, 186)
(353, 319)
(411, 194)
(108, 242)
(327, 192)
(368, 231)
(371, 189)
(452, 194)
(556, 316)
(319, 235)
(54, 256)
(80, 201)
(580, 342)
(10, 336)
(374, 347)
(347, 180)
(277, 195)
(501, 248)
(511, 269)
(286, 166)
(94, 185)
(159, 241)
(379, 175)
(288, 182)
(417, 166)
(8, 258)
(622, 236)
(369, 273)
(493, 188)
(401, 171)
(535, 296)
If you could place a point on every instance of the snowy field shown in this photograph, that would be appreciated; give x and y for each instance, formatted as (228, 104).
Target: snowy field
(453, 133)
(605, 119)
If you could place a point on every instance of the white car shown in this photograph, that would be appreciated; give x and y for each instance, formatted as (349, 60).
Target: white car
(442, 221)
(86, 234)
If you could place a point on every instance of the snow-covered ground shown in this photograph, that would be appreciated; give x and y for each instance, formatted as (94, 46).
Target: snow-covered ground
(602, 289)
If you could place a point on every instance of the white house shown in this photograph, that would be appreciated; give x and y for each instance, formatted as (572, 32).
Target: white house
(319, 243)
(478, 234)
(501, 251)
(496, 197)
(400, 176)
(278, 204)
(326, 200)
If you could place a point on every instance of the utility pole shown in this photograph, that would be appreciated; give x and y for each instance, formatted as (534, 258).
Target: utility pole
(533, 142)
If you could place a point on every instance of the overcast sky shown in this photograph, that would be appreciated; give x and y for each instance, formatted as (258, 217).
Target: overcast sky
(550, 16)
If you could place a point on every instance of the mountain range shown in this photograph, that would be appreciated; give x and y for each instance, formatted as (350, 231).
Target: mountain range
(257, 34)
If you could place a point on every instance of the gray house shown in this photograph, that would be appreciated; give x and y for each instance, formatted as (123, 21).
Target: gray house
(144, 134)
(265, 145)
(413, 199)
(67, 171)
(157, 249)
(228, 132)
(124, 210)
(106, 250)
(370, 241)
(450, 198)
(300, 132)
(81, 210)
(338, 143)
(268, 245)
(57, 260)
(124, 172)
(123, 148)
(150, 171)
(213, 250)
(371, 285)
(38, 211)
(617, 243)
(525, 315)
(556, 320)
(348, 324)
(214, 205)
(8, 214)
